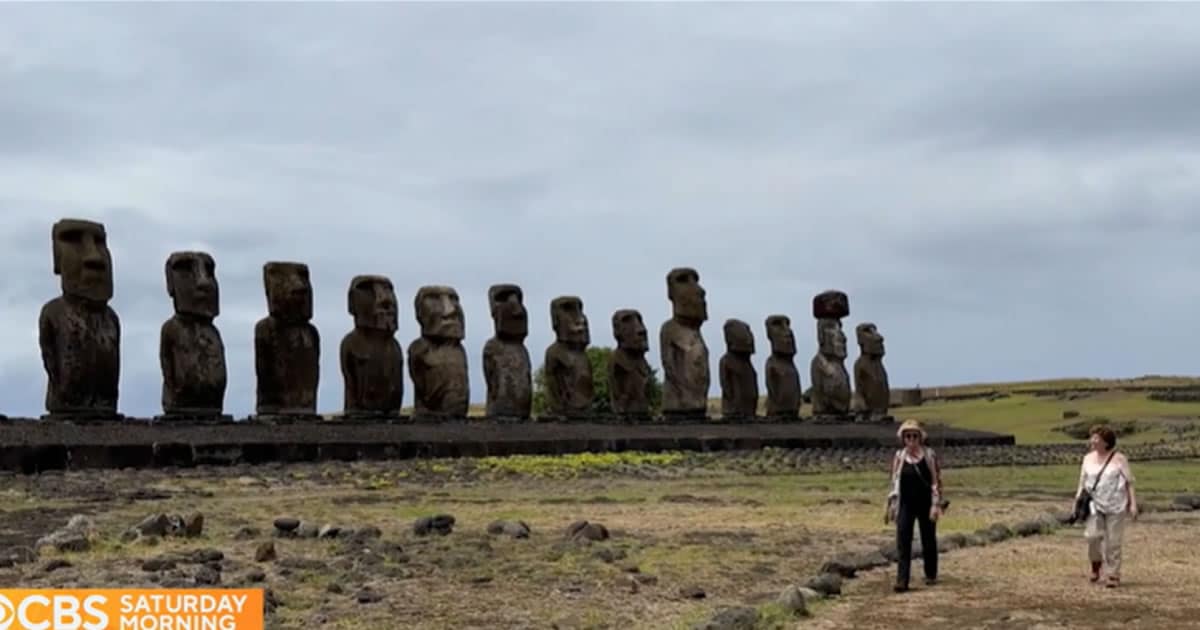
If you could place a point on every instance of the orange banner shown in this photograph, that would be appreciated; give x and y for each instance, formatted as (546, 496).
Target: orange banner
(131, 609)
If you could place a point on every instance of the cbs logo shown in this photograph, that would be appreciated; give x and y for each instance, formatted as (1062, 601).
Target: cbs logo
(60, 612)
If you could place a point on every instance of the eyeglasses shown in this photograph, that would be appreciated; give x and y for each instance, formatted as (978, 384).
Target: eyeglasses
(912, 436)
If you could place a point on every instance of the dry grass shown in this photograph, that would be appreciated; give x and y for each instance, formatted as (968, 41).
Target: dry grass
(1041, 583)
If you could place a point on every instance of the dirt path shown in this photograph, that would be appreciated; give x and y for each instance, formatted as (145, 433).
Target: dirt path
(1040, 583)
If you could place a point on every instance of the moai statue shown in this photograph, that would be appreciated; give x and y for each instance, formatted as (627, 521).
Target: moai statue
(872, 392)
(437, 362)
(190, 349)
(506, 366)
(79, 334)
(287, 347)
(830, 381)
(783, 379)
(569, 387)
(371, 358)
(739, 379)
(628, 370)
(684, 353)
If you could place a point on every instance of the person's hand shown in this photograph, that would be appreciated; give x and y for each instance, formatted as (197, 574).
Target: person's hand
(1133, 511)
(935, 513)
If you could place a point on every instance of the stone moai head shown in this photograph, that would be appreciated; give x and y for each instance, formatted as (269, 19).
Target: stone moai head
(687, 296)
(440, 313)
(289, 291)
(192, 284)
(738, 337)
(372, 302)
(831, 341)
(507, 302)
(570, 324)
(829, 307)
(869, 339)
(83, 260)
(779, 332)
(630, 331)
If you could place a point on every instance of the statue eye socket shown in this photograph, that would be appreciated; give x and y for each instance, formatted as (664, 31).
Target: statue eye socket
(71, 236)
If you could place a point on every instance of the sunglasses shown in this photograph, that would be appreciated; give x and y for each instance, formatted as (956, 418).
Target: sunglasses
(912, 436)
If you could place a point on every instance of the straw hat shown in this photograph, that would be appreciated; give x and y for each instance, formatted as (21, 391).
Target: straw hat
(911, 425)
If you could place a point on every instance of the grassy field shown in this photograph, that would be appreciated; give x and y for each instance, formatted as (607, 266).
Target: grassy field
(679, 525)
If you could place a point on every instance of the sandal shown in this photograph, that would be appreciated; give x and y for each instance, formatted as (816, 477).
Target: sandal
(1095, 577)
(1113, 582)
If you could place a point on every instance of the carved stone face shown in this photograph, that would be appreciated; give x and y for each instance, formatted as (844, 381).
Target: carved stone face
(570, 324)
(289, 291)
(440, 313)
(686, 295)
(630, 331)
(831, 339)
(192, 284)
(508, 311)
(372, 302)
(869, 339)
(82, 259)
(738, 337)
(779, 332)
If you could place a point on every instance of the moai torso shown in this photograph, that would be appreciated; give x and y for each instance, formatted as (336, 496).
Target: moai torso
(870, 377)
(628, 370)
(371, 359)
(191, 351)
(569, 385)
(507, 370)
(784, 394)
(506, 364)
(437, 362)
(684, 354)
(739, 379)
(287, 347)
(78, 333)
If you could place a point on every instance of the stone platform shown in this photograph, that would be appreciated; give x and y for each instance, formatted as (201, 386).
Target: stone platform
(30, 446)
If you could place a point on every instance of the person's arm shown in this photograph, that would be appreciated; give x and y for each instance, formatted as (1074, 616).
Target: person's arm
(1132, 498)
(1082, 477)
(894, 481)
(937, 476)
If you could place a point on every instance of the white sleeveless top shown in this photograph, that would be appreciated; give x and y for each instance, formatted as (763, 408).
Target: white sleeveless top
(1110, 496)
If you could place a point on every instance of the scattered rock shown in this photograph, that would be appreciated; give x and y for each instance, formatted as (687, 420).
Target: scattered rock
(645, 579)
(365, 534)
(1070, 413)
(583, 530)
(160, 563)
(368, 596)
(1188, 500)
(207, 575)
(56, 564)
(265, 552)
(842, 565)
(692, 592)
(307, 529)
(441, 524)
(303, 564)
(809, 594)
(512, 529)
(153, 525)
(206, 556)
(335, 588)
(286, 526)
(792, 601)
(193, 525)
(76, 536)
(740, 618)
(826, 584)
(329, 531)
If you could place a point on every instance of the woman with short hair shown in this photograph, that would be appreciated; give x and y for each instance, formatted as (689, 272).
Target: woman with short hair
(915, 497)
(1106, 475)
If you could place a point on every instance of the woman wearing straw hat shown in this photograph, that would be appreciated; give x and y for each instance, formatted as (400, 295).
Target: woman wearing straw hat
(915, 497)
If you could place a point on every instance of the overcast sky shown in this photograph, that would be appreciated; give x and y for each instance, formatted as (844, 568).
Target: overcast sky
(1008, 191)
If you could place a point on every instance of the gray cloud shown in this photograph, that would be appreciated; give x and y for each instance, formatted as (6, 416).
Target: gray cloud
(1009, 191)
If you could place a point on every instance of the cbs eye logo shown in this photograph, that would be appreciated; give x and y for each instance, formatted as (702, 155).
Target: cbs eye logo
(8, 613)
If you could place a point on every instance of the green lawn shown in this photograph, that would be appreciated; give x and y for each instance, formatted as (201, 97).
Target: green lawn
(1032, 419)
